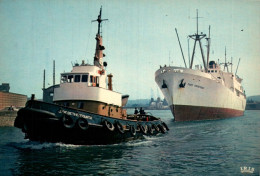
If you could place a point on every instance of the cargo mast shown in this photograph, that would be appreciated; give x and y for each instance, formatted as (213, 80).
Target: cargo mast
(197, 37)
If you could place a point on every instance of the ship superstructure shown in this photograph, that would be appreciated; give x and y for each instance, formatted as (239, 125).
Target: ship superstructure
(88, 87)
(201, 93)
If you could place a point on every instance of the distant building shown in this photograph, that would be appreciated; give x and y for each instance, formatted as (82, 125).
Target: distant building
(252, 105)
(8, 99)
(5, 87)
(158, 104)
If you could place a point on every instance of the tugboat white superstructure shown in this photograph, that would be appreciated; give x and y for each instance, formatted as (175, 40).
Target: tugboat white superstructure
(85, 87)
(86, 110)
(199, 94)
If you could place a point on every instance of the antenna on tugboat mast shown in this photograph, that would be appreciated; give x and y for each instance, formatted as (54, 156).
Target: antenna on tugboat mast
(181, 48)
(198, 37)
(99, 20)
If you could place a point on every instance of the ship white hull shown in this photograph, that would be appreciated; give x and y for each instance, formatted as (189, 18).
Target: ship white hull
(201, 98)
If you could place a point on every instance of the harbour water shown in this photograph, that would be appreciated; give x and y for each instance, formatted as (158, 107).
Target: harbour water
(215, 147)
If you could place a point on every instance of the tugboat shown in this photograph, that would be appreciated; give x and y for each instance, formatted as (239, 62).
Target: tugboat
(85, 109)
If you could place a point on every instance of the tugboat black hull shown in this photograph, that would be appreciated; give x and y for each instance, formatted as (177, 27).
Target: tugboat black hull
(48, 122)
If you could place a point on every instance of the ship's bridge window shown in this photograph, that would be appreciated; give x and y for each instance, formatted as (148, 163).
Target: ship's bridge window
(63, 79)
(70, 78)
(77, 78)
(216, 71)
(97, 80)
(208, 71)
(94, 80)
(212, 71)
(84, 78)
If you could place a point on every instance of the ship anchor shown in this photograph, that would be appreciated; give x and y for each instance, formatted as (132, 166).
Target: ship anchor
(182, 85)
(164, 85)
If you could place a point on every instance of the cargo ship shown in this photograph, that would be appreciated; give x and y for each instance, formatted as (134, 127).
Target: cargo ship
(202, 93)
(85, 109)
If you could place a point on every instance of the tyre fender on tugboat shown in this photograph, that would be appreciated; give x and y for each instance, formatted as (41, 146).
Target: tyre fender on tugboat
(150, 129)
(83, 124)
(68, 121)
(132, 130)
(166, 127)
(143, 129)
(156, 128)
(162, 128)
(109, 125)
(119, 127)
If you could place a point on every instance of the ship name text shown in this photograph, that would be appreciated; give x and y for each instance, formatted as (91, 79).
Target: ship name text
(74, 114)
(192, 85)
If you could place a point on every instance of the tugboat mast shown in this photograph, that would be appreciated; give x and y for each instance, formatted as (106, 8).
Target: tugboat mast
(198, 37)
(98, 58)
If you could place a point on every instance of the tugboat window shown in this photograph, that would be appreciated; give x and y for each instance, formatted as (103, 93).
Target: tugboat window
(70, 78)
(77, 78)
(63, 78)
(97, 81)
(84, 78)
(93, 80)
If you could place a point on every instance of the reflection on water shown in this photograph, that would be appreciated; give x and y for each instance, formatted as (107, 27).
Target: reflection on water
(218, 147)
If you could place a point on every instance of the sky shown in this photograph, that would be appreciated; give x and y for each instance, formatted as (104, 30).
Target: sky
(139, 37)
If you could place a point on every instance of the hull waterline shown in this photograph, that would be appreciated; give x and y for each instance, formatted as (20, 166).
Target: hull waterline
(191, 113)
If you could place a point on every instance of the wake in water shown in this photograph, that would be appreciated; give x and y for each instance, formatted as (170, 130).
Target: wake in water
(148, 140)
(32, 145)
